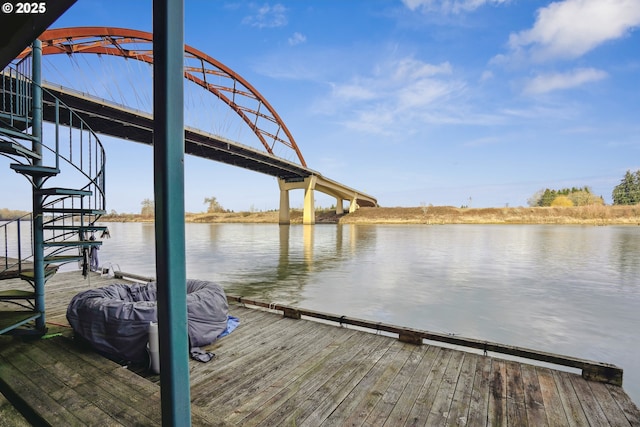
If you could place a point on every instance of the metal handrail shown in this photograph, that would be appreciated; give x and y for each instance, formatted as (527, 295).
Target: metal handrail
(78, 150)
(13, 255)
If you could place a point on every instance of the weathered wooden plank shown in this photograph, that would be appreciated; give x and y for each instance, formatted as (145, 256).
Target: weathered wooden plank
(230, 350)
(554, 408)
(629, 409)
(325, 392)
(281, 385)
(269, 365)
(256, 391)
(402, 406)
(459, 411)
(22, 388)
(138, 385)
(392, 395)
(497, 394)
(241, 350)
(570, 401)
(534, 402)
(357, 406)
(609, 405)
(255, 358)
(10, 416)
(443, 399)
(296, 395)
(61, 384)
(588, 402)
(516, 409)
(425, 398)
(479, 402)
(98, 387)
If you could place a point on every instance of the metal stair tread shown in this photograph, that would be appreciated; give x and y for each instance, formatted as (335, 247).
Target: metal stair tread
(73, 243)
(16, 294)
(14, 123)
(62, 258)
(34, 170)
(77, 227)
(75, 210)
(17, 134)
(53, 191)
(49, 271)
(10, 147)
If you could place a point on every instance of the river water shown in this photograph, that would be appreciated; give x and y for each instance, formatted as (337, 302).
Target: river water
(573, 290)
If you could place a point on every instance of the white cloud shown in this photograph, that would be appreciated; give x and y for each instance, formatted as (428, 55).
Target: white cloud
(395, 93)
(412, 69)
(545, 83)
(449, 6)
(267, 16)
(486, 76)
(355, 91)
(297, 38)
(571, 28)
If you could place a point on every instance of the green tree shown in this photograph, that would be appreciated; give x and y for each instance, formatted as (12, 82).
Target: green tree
(148, 207)
(214, 205)
(628, 191)
(547, 197)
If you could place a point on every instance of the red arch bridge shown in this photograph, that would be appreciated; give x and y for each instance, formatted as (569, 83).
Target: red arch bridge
(112, 119)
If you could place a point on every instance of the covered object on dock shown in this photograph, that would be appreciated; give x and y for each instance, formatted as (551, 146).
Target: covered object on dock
(115, 319)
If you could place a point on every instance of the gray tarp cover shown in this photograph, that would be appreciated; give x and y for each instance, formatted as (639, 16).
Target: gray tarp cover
(115, 319)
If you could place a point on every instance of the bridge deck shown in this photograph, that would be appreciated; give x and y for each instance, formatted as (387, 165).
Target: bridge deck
(275, 370)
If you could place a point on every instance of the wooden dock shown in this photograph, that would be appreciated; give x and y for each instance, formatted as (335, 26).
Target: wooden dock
(280, 370)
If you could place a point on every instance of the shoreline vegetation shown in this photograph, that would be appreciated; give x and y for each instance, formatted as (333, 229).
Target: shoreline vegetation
(428, 215)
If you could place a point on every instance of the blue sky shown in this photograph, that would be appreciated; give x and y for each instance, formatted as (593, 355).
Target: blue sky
(443, 102)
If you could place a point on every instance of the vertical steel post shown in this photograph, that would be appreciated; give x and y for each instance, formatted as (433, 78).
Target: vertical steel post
(168, 155)
(37, 224)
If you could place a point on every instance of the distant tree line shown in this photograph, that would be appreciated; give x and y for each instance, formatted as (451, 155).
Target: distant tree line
(628, 191)
(575, 196)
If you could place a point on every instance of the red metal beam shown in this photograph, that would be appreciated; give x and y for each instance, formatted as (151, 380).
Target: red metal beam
(113, 41)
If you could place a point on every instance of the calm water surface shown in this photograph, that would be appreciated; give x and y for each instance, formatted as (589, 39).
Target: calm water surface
(566, 289)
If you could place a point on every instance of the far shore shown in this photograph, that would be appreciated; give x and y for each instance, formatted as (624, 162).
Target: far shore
(429, 215)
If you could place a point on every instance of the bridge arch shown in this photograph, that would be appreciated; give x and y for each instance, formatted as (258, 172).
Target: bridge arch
(199, 68)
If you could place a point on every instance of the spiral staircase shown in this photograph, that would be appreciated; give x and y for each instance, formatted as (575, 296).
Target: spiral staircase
(64, 162)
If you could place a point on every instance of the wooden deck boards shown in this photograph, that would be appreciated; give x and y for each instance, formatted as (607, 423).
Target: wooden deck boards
(275, 370)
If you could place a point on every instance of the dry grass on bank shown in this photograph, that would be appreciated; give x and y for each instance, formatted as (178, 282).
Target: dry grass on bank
(596, 215)
(591, 215)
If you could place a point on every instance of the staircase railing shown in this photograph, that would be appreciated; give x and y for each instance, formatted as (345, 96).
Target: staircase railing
(14, 250)
(80, 156)
(16, 102)
(69, 145)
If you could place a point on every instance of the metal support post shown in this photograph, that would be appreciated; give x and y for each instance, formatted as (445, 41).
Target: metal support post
(37, 224)
(168, 154)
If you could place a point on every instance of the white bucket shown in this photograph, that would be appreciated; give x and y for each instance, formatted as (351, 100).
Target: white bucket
(154, 347)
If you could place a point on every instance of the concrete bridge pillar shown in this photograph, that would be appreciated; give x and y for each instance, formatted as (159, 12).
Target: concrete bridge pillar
(339, 206)
(353, 206)
(284, 217)
(309, 209)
